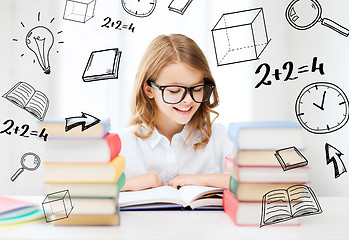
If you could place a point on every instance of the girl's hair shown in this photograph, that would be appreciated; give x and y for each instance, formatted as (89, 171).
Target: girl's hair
(163, 51)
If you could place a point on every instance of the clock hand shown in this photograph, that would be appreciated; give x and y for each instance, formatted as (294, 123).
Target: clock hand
(318, 106)
(323, 100)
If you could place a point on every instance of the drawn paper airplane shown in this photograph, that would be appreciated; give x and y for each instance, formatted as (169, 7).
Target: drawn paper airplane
(334, 155)
(85, 120)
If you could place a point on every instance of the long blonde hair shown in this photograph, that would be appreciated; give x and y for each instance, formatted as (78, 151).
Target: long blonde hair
(162, 51)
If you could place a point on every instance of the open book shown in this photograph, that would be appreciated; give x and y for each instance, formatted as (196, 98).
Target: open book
(187, 197)
(284, 204)
(26, 97)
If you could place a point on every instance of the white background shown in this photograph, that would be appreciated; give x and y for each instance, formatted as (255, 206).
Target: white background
(239, 100)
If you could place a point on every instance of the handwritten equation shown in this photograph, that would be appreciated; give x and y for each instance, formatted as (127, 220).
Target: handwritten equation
(23, 131)
(287, 71)
(108, 23)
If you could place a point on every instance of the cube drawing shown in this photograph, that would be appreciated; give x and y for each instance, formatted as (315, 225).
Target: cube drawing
(240, 36)
(79, 10)
(57, 203)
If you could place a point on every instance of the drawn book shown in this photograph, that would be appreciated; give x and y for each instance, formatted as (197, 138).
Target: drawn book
(252, 191)
(290, 158)
(284, 204)
(85, 173)
(55, 128)
(14, 211)
(246, 213)
(102, 65)
(271, 174)
(187, 197)
(179, 6)
(25, 96)
(83, 150)
(266, 135)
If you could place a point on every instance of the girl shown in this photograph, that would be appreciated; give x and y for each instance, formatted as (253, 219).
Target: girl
(171, 140)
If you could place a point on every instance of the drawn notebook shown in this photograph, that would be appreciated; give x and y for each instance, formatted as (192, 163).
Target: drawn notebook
(284, 204)
(163, 197)
(25, 96)
(102, 65)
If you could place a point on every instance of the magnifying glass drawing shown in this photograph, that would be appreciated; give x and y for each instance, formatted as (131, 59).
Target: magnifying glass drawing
(29, 161)
(304, 14)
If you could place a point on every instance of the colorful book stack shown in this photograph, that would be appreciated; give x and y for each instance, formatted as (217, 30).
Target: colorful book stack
(269, 157)
(83, 174)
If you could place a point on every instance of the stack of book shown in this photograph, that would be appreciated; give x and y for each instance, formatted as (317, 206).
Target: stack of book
(269, 157)
(83, 174)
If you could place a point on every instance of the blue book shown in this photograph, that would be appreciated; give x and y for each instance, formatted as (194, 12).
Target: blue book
(266, 135)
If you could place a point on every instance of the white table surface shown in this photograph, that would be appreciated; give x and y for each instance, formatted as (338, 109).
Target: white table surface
(332, 223)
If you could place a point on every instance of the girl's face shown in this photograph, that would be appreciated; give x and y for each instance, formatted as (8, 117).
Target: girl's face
(180, 113)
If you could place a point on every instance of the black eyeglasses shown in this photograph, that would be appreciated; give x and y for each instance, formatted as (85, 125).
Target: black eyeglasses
(173, 94)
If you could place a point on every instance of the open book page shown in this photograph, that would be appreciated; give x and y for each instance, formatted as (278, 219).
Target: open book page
(275, 207)
(303, 201)
(197, 196)
(163, 194)
(20, 94)
(38, 105)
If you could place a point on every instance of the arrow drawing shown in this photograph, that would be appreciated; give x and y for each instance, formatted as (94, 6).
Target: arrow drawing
(85, 120)
(334, 155)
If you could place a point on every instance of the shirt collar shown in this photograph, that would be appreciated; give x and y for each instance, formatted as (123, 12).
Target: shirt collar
(155, 138)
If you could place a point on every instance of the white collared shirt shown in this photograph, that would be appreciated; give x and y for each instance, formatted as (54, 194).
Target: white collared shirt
(167, 160)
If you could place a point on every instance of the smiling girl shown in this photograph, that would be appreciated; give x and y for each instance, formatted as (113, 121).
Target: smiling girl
(171, 140)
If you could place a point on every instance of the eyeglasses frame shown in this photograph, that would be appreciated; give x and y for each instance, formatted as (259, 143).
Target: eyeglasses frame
(186, 89)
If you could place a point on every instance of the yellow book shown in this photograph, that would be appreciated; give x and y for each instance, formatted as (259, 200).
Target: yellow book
(85, 172)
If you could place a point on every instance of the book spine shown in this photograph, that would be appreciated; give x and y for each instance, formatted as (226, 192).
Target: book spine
(114, 143)
(230, 205)
(233, 186)
(119, 164)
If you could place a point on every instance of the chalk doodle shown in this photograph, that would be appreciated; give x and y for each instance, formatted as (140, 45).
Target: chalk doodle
(290, 158)
(179, 6)
(22, 130)
(139, 8)
(29, 161)
(57, 206)
(287, 66)
(79, 10)
(280, 205)
(108, 23)
(334, 155)
(40, 41)
(322, 107)
(85, 121)
(25, 96)
(102, 65)
(240, 36)
(304, 14)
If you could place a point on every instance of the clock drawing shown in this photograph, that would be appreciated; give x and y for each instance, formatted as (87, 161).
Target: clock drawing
(322, 107)
(139, 8)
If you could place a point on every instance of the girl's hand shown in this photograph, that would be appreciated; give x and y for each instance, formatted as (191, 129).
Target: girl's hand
(141, 182)
(187, 179)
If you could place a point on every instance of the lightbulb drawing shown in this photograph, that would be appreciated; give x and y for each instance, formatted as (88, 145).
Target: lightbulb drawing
(40, 41)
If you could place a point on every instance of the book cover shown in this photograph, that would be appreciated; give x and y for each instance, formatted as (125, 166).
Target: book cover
(101, 65)
(88, 150)
(266, 135)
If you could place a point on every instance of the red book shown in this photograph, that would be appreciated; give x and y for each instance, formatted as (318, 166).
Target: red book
(247, 213)
(68, 150)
